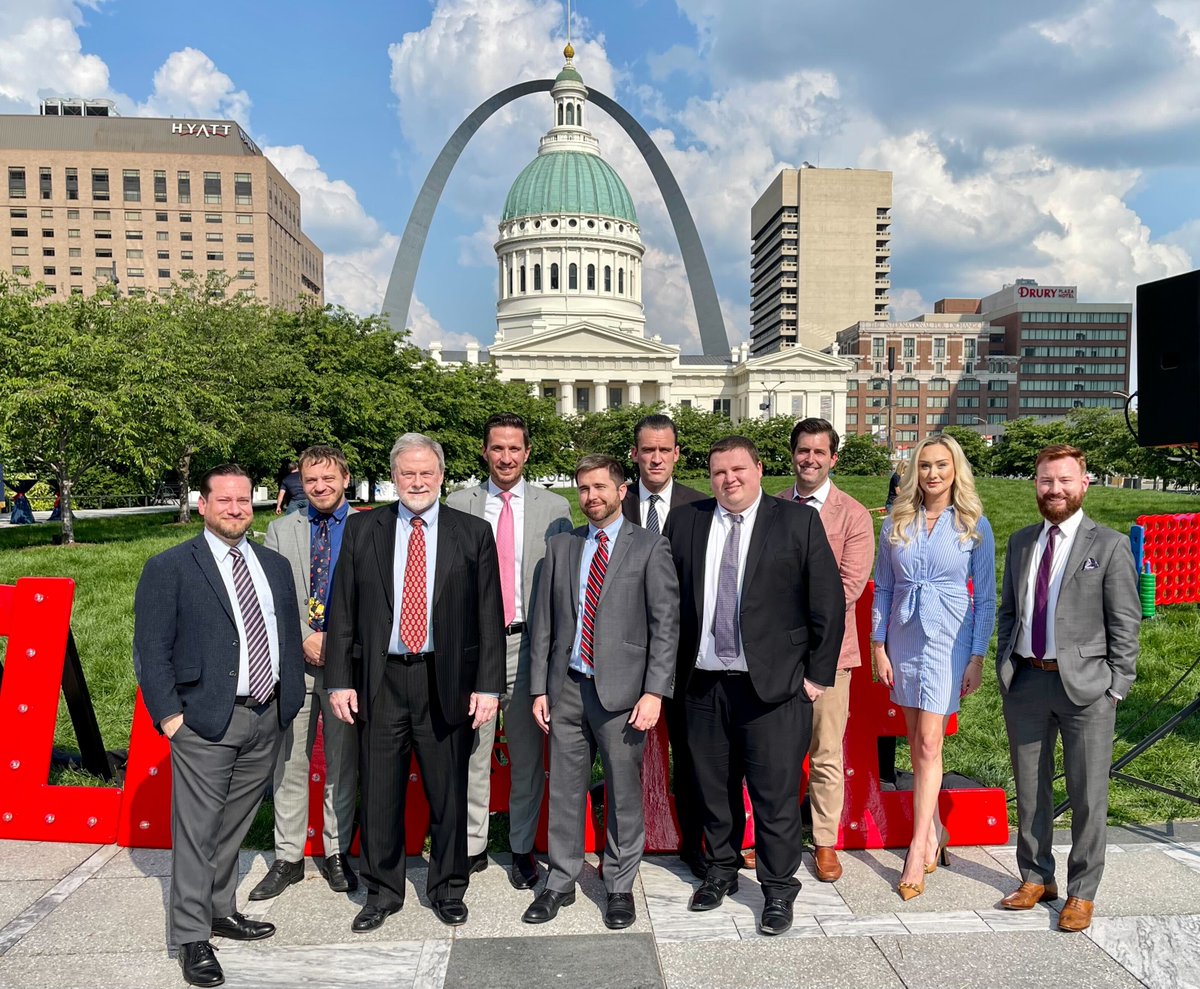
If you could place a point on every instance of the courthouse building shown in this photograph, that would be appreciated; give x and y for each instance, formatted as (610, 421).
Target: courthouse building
(570, 321)
(90, 197)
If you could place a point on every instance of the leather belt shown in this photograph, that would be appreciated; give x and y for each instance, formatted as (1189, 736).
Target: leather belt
(514, 627)
(410, 658)
(1049, 665)
(579, 674)
(247, 700)
(722, 673)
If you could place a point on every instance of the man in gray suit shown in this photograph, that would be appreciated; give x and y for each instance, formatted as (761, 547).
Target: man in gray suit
(523, 517)
(222, 676)
(1066, 656)
(310, 541)
(605, 634)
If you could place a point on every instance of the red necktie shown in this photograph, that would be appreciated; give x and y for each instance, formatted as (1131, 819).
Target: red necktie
(414, 623)
(591, 599)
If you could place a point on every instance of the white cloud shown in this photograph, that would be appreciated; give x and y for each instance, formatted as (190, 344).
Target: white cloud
(41, 56)
(189, 84)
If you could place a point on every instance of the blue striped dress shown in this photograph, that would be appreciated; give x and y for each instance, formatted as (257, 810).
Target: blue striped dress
(922, 610)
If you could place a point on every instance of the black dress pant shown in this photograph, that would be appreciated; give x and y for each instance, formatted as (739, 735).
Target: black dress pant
(406, 718)
(688, 809)
(735, 735)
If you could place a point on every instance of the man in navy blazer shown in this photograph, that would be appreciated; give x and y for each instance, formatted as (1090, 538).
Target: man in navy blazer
(222, 677)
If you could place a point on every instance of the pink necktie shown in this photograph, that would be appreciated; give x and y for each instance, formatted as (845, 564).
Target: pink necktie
(506, 549)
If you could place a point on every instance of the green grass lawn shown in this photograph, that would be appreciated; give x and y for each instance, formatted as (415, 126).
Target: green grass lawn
(108, 560)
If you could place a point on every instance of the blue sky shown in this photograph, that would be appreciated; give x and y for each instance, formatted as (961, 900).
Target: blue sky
(1055, 139)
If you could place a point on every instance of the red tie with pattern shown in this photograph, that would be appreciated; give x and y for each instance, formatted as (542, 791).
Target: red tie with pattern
(414, 623)
(591, 599)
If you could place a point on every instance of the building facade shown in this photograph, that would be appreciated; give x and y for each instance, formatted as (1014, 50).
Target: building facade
(570, 324)
(820, 256)
(1027, 350)
(90, 198)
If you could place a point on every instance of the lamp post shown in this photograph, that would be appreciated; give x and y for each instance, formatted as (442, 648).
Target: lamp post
(768, 405)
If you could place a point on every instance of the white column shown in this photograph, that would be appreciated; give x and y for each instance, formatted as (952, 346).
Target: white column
(635, 393)
(839, 412)
(566, 397)
(664, 392)
(600, 392)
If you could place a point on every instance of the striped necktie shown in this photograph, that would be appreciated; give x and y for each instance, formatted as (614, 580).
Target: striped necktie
(591, 599)
(652, 515)
(258, 648)
(725, 616)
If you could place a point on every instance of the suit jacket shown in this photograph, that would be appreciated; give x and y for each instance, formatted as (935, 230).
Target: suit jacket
(793, 609)
(1096, 620)
(680, 495)
(185, 639)
(636, 631)
(291, 538)
(546, 515)
(851, 535)
(468, 617)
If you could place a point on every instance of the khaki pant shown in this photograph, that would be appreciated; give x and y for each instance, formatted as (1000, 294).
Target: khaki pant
(826, 784)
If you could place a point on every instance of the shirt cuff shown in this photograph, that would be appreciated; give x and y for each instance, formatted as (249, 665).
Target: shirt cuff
(486, 693)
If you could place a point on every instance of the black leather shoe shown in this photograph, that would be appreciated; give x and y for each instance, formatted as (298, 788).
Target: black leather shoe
(337, 872)
(477, 863)
(620, 912)
(546, 906)
(711, 893)
(776, 916)
(240, 928)
(452, 912)
(695, 863)
(200, 965)
(279, 877)
(370, 917)
(523, 873)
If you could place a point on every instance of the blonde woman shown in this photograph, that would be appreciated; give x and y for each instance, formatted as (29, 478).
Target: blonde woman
(928, 637)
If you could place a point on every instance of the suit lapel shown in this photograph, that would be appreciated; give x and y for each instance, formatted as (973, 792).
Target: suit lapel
(447, 552)
(533, 528)
(620, 550)
(704, 522)
(385, 550)
(768, 511)
(1025, 560)
(478, 506)
(833, 509)
(302, 529)
(208, 567)
(1081, 549)
(575, 560)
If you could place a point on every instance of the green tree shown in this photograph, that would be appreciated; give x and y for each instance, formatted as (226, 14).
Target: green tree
(610, 431)
(698, 431)
(773, 439)
(66, 405)
(861, 455)
(1015, 454)
(978, 453)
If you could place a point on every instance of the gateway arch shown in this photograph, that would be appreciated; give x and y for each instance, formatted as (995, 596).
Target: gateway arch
(408, 258)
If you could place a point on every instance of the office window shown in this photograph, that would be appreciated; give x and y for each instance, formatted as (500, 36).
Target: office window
(100, 184)
(135, 255)
(249, 256)
(241, 189)
(164, 272)
(185, 255)
(554, 278)
(160, 217)
(907, 402)
(16, 183)
(906, 419)
(134, 214)
(245, 238)
(246, 274)
(185, 217)
(47, 252)
(103, 235)
(723, 407)
(212, 217)
(164, 255)
(607, 278)
(72, 184)
(46, 183)
(582, 397)
(851, 401)
(19, 231)
(133, 235)
(49, 270)
(101, 214)
(21, 270)
(244, 218)
(183, 182)
(877, 348)
(215, 256)
(908, 384)
(19, 214)
(852, 419)
(162, 235)
(72, 214)
(573, 277)
(72, 232)
(214, 237)
(591, 277)
(47, 233)
(160, 187)
(969, 349)
(136, 272)
(77, 270)
(521, 279)
(939, 348)
(75, 252)
(998, 403)
(967, 403)
(937, 401)
(212, 188)
(186, 235)
(620, 281)
(910, 348)
(131, 185)
(616, 397)
(906, 435)
(104, 252)
(968, 384)
(20, 252)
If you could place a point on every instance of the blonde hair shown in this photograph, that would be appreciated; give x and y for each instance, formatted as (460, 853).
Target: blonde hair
(968, 509)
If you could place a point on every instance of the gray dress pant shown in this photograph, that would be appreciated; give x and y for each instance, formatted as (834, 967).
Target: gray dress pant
(291, 776)
(579, 725)
(216, 788)
(1036, 710)
(526, 756)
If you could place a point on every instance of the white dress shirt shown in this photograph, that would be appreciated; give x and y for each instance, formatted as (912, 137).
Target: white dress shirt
(493, 503)
(707, 659)
(662, 506)
(1062, 549)
(266, 602)
(403, 533)
(818, 497)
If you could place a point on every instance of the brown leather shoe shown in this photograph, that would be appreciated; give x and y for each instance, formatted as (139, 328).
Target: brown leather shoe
(1029, 895)
(1076, 915)
(749, 859)
(829, 869)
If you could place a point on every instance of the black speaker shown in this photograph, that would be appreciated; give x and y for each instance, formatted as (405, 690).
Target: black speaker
(1168, 332)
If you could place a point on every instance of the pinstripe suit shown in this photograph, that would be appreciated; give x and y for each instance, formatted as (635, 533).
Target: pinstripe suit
(423, 707)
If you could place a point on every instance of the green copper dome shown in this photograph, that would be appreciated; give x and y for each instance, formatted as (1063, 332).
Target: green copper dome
(569, 182)
(569, 74)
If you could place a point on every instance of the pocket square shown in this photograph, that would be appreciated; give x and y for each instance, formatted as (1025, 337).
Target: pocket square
(1090, 564)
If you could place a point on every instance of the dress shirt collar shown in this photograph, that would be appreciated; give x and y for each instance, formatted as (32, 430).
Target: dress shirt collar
(610, 530)
(518, 489)
(337, 515)
(1067, 527)
(747, 514)
(664, 495)
(820, 496)
(220, 548)
(430, 515)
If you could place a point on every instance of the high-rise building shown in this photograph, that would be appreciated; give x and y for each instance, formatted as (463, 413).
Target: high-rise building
(820, 255)
(91, 197)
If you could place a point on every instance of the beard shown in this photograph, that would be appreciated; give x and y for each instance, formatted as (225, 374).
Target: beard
(230, 528)
(1059, 510)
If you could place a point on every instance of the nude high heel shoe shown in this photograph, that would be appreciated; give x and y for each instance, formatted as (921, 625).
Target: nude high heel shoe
(908, 891)
(942, 857)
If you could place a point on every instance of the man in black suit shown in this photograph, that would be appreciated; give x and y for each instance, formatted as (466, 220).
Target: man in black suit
(414, 648)
(217, 655)
(762, 619)
(648, 502)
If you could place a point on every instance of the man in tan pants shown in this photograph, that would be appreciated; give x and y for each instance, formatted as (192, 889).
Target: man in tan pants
(852, 537)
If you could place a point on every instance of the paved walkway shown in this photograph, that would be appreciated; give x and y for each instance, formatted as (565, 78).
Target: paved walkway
(93, 917)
